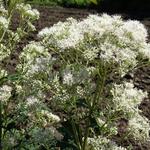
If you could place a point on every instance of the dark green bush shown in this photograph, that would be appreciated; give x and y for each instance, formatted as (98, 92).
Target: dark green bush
(69, 3)
(78, 2)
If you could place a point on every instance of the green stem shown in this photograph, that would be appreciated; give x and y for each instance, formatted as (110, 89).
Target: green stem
(98, 93)
(76, 134)
(86, 137)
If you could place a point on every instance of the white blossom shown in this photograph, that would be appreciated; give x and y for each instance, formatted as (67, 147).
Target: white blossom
(145, 51)
(137, 30)
(3, 73)
(139, 127)
(52, 118)
(4, 22)
(108, 38)
(39, 65)
(126, 97)
(32, 13)
(5, 93)
(91, 53)
(28, 11)
(68, 78)
(102, 143)
(31, 100)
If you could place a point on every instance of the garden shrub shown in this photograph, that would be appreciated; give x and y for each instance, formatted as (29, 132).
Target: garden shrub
(69, 3)
(77, 3)
(69, 88)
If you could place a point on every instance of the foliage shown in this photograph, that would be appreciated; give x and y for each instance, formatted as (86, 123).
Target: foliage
(43, 2)
(22, 126)
(78, 3)
(75, 70)
(75, 3)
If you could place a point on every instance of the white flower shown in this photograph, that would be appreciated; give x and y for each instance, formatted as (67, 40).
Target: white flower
(91, 53)
(108, 38)
(23, 6)
(126, 97)
(145, 51)
(38, 65)
(5, 93)
(52, 118)
(3, 73)
(34, 47)
(137, 30)
(80, 91)
(139, 127)
(4, 52)
(32, 13)
(28, 11)
(68, 78)
(44, 32)
(4, 22)
(102, 143)
(31, 100)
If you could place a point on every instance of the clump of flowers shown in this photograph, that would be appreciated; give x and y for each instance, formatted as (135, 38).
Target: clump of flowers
(126, 98)
(102, 143)
(83, 56)
(69, 70)
(24, 119)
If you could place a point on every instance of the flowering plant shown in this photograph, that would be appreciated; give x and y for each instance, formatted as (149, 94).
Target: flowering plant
(77, 68)
(23, 121)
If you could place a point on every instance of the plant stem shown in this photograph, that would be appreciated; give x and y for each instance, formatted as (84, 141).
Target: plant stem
(98, 93)
(76, 134)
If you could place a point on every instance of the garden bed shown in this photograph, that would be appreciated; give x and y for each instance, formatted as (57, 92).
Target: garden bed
(51, 15)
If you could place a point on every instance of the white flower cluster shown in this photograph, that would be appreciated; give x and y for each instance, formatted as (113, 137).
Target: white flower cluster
(68, 78)
(4, 22)
(102, 143)
(127, 98)
(145, 51)
(27, 11)
(39, 65)
(71, 60)
(108, 38)
(27, 14)
(51, 117)
(31, 50)
(65, 34)
(5, 93)
(4, 51)
(35, 59)
(32, 100)
(2, 9)
(60, 94)
(139, 127)
(3, 73)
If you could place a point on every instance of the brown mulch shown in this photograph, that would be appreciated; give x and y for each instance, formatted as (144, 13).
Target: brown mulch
(50, 16)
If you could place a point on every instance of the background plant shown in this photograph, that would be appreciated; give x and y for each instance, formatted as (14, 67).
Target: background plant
(75, 3)
(22, 122)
